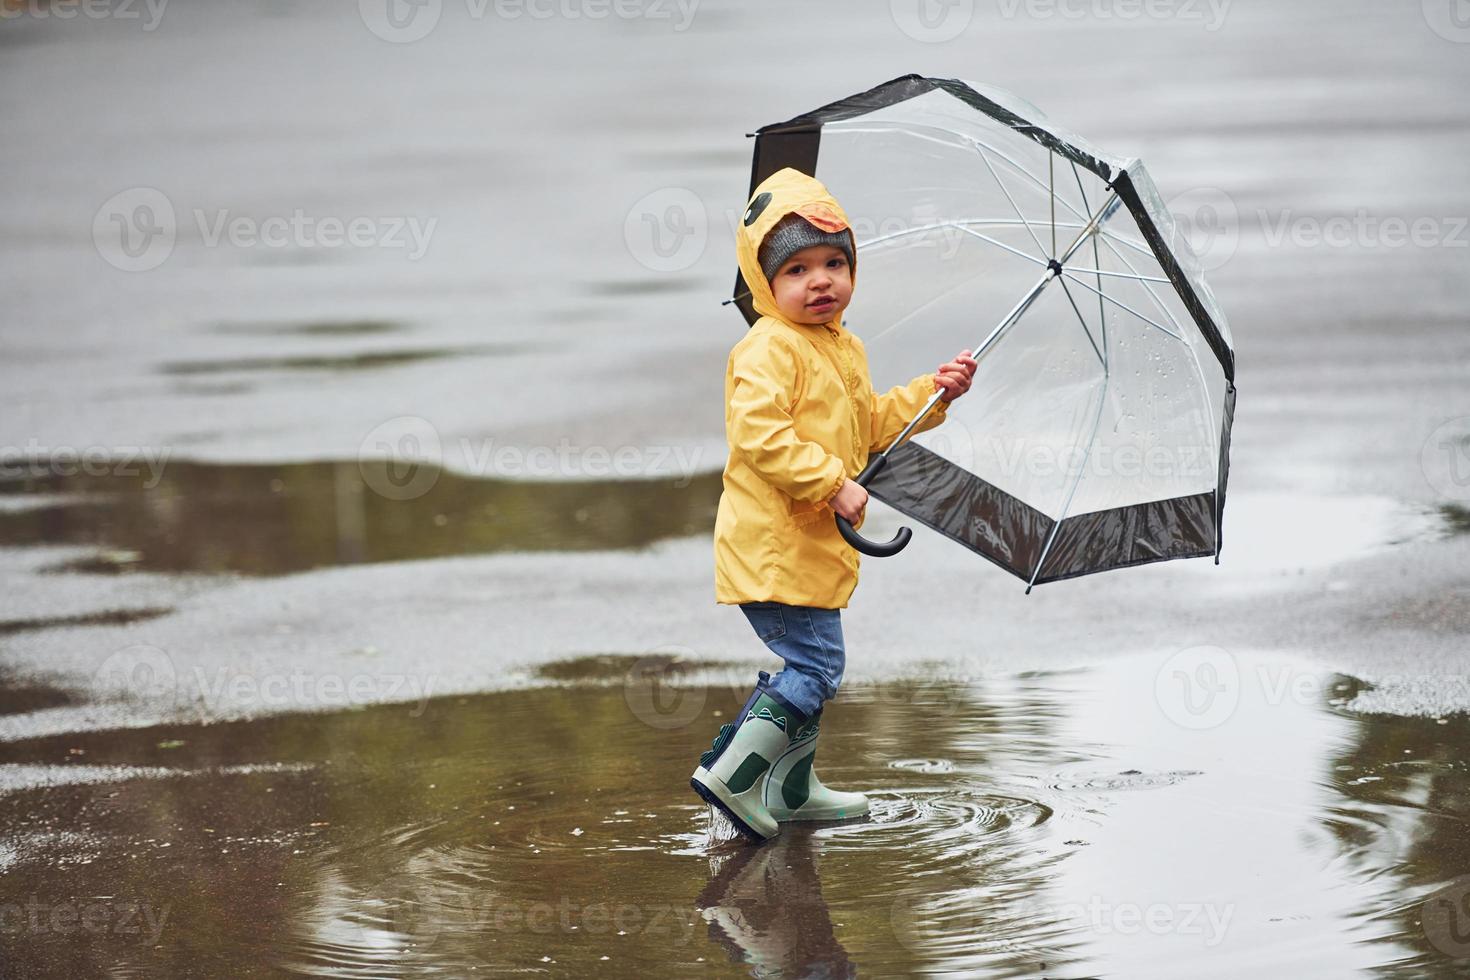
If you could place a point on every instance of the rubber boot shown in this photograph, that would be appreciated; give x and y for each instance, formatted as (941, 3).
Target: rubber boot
(731, 776)
(793, 791)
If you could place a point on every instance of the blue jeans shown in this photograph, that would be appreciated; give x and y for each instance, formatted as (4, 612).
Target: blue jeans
(810, 641)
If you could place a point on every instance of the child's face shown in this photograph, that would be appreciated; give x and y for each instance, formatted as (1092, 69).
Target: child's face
(814, 285)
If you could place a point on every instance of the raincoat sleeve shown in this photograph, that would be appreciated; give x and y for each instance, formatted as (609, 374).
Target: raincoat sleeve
(758, 424)
(893, 409)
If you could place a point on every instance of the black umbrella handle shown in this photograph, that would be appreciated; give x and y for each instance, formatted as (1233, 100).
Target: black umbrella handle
(877, 549)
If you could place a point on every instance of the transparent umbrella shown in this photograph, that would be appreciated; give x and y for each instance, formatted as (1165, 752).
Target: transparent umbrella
(1097, 432)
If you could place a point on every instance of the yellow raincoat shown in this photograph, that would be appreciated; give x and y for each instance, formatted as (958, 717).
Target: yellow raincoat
(801, 416)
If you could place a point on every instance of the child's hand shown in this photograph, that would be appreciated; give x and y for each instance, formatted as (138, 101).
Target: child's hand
(955, 377)
(850, 501)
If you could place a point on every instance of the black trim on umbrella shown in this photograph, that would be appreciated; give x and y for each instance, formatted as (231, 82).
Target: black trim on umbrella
(1011, 533)
(797, 150)
(1124, 186)
(907, 87)
(1224, 468)
(1158, 530)
(964, 507)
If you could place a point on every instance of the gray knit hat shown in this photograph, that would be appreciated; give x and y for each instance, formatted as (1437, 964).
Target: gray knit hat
(792, 234)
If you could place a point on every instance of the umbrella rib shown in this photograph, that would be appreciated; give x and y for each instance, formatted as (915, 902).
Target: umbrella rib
(960, 225)
(1067, 504)
(1102, 360)
(1199, 371)
(1001, 184)
(1119, 275)
(1003, 245)
(1051, 180)
(1125, 306)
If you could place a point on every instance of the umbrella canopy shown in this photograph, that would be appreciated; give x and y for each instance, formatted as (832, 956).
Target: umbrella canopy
(1097, 432)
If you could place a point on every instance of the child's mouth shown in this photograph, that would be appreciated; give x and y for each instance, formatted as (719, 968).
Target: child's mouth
(822, 303)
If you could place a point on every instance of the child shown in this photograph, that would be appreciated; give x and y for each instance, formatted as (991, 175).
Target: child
(800, 415)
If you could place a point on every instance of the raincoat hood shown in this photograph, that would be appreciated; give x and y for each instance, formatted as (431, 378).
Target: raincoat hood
(784, 192)
(801, 416)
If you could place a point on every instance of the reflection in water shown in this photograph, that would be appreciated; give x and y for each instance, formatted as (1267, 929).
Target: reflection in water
(1071, 824)
(764, 905)
(272, 519)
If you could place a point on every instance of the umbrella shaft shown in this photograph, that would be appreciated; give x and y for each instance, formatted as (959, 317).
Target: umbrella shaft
(1054, 269)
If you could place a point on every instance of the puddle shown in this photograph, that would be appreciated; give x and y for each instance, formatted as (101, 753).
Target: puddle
(1456, 518)
(273, 519)
(1064, 825)
(1286, 533)
(324, 328)
(108, 617)
(22, 696)
(364, 360)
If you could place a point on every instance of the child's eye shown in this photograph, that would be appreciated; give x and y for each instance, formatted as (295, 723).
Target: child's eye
(838, 262)
(796, 270)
